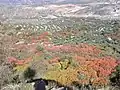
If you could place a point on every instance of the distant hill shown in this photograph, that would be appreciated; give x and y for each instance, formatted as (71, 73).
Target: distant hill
(49, 1)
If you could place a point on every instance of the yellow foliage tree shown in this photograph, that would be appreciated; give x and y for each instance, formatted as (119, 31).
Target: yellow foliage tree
(64, 77)
(21, 68)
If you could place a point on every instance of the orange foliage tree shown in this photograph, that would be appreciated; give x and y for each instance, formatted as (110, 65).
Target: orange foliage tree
(96, 70)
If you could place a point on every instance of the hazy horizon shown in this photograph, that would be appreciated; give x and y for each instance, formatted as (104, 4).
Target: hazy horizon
(48, 1)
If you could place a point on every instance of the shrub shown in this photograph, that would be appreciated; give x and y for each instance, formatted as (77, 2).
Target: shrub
(29, 73)
(64, 77)
(115, 77)
(39, 48)
(96, 70)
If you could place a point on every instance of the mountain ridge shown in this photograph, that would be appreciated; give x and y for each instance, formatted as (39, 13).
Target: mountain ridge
(51, 1)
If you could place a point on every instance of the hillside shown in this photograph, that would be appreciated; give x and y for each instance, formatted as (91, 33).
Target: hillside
(72, 44)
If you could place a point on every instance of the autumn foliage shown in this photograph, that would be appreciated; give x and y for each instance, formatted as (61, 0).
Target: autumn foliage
(98, 70)
(89, 67)
(95, 72)
(19, 62)
(81, 48)
(65, 77)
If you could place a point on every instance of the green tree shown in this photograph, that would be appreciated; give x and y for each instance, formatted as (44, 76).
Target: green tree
(29, 73)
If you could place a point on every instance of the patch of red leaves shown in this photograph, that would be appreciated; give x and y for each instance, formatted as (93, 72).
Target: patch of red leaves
(31, 47)
(82, 48)
(54, 60)
(19, 62)
(103, 66)
(42, 37)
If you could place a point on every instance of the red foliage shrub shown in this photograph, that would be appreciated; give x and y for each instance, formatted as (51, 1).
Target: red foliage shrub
(54, 60)
(82, 48)
(19, 62)
(31, 48)
(42, 37)
(12, 59)
(103, 67)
